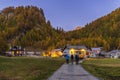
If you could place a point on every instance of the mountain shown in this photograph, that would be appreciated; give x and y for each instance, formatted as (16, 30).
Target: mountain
(78, 28)
(27, 27)
(103, 32)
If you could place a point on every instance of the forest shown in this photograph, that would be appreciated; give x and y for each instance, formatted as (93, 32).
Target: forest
(26, 26)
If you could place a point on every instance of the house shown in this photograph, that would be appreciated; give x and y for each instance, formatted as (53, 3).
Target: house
(53, 53)
(113, 54)
(95, 52)
(89, 52)
(81, 50)
(38, 53)
(56, 53)
(15, 51)
(46, 53)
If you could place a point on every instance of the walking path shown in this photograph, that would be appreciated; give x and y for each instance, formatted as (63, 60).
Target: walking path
(71, 72)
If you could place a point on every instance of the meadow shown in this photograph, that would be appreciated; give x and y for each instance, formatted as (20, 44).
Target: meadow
(103, 68)
(24, 68)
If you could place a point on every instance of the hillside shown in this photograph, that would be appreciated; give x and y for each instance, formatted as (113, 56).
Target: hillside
(103, 32)
(27, 27)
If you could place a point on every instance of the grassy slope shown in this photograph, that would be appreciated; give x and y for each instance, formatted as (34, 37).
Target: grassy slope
(22, 68)
(107, 69)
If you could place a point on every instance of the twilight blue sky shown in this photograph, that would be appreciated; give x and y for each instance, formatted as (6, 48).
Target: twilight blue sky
(68, 13)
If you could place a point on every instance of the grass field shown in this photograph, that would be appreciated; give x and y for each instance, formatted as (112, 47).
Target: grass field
(106, 69)
(23, 68)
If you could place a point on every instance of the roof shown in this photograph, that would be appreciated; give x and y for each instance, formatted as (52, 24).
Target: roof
(14, 48)
(95, 49)
(114, 51)
(76, 47)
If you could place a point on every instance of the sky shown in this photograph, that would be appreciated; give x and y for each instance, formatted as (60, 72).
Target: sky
(68, 14)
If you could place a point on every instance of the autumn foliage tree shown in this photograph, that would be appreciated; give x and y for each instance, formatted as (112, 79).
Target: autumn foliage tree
(28, 27)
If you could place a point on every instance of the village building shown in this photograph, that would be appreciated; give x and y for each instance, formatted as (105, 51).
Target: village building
(53, 53)
(46, 53)
(56, 53)
(95, 52)
(15, 51)
(33, 51)
(113, 54)
(81, 50)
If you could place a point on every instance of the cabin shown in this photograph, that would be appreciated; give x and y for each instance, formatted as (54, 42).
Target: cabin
(16, 51)
(72, 50)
